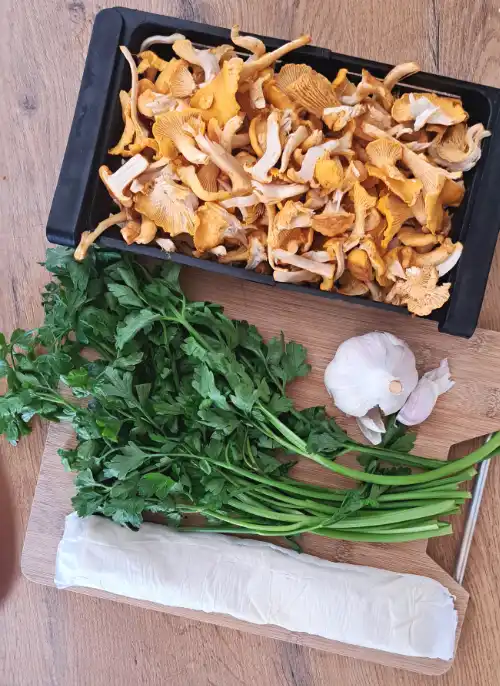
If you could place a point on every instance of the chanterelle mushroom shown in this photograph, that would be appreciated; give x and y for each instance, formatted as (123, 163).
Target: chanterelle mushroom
(460, 147)
(306, 172)
(189, 177)
(227, 163)
(332, 222)
(260, 170)
(396, 213)
(250, 43)
(276, 192)
(89, 237)
(269, 58)
(245, 158)
(400, 72)
(220, 93)
(309, 89)
(169, 205)
(118, 182)
(203, 58)
(419, 291)
(369, 85)
(141, 133)
(162, 40)
(128, 134)
(213, 224)
(363, 202)
(177, 129)
(428, 108)
(291, 228)
(327, 271)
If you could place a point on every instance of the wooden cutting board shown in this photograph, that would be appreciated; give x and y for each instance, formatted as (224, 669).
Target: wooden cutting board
(469, 410)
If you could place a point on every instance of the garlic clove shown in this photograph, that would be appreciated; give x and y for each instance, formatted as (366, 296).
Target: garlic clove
(376, 369)
(372, 426)
(422, 400)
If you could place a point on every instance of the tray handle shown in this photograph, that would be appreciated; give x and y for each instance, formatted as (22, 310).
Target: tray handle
(70, 199)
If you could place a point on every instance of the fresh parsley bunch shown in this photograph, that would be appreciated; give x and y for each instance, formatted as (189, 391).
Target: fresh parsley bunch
(179, 410)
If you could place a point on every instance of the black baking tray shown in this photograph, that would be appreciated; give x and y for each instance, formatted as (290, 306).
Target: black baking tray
(80, 200)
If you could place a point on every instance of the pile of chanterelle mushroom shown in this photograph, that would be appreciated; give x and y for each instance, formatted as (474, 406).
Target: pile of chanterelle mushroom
(286, 172)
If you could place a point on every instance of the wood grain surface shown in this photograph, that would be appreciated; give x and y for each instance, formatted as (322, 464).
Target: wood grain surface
(49, 638)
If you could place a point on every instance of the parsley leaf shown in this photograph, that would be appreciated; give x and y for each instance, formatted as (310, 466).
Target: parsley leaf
(133, 323)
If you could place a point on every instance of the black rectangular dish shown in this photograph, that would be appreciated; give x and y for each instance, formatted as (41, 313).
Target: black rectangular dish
(81, 201)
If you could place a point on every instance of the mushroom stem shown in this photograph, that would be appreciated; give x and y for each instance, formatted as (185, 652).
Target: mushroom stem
(163, 40)
(250, 68)
(89, 237)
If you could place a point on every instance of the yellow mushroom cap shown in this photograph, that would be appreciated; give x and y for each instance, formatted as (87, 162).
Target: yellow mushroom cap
(291, 227)
(363, 202)
(174, 128)
(419, 291)
(351, 286)
(169, 205)
(329, 173)
(205, 59)
(384, 153)
(305, 86)
(408, 190)
(149, 59)
(176, 80)
(222, 92)
(191, 179)
(428, 108)
(359, 265)
(396, 213)
(213, 224)
(332, 222)
(416, 238)
(376, 260)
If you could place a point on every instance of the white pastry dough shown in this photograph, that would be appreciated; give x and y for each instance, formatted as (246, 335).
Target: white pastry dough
(260, 583)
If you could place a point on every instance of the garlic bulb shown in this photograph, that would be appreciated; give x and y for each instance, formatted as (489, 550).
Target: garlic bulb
(423, 398)
(372, 426)
(376, 369)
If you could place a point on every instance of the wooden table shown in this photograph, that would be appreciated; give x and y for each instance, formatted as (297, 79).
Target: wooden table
(51, 638)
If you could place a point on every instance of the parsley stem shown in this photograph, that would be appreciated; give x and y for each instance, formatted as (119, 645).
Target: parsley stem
(393, 456)
(57, 399)
(194, 333)
(277, 530)
(428, 494)
(319, 508)
(173, 365)
(396, 535)
(447, 469)
(382, 537)
(374, 519)
(465, 475)
(288, 486)
(265, 512)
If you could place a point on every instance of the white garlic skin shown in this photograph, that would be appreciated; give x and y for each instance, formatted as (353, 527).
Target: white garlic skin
(422, 399)
(376, 369)
(372, 426)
